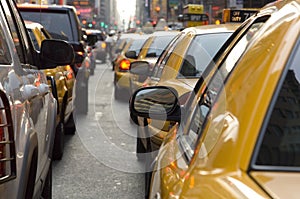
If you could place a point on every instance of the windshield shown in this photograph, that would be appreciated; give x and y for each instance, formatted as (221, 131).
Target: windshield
(57, 24)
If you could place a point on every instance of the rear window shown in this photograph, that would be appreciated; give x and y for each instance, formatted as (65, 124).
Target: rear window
(136, 45)
(57, 24)
(158, 45)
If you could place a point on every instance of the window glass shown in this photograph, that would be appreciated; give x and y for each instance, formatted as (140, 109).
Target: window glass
(13, 31)
(158, 45)
(281, 140)
(209, 97)
(200, 52)
(57, 24)
(33, 39)
(159, 66)
(136, 45)
(5, 57)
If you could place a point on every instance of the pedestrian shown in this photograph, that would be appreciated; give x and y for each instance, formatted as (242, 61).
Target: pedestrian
(110, 44)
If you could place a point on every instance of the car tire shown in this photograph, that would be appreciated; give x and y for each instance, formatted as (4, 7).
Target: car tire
(47, 190)
(58, 148)
(70, 126)
(140, 150)
(92, 71)
(117, 93)
(148, 174)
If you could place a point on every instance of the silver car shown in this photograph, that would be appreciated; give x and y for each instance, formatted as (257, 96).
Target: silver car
(27, 107)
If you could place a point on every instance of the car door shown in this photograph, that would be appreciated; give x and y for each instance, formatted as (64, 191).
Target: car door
(34, 87)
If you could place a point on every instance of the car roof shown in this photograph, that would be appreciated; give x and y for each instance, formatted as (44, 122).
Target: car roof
(31, 24)
(93, 31)
(230, 27)
(164, 33)
(31, 6)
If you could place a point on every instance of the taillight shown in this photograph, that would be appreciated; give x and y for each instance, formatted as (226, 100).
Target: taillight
(79, 53)
(69, 72)
(124, 64)
(103, 45)
(7, 143)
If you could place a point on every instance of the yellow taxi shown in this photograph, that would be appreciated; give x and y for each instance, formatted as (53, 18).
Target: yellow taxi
(180, 67)
(238, 136)
(61, 79)
(150, 52)
(122, 64)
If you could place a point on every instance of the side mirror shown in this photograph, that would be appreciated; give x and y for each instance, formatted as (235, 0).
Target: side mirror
(158, 102)
(140, 68)
(55, 52)
(131, 54)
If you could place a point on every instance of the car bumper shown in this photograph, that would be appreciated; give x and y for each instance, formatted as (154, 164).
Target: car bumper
(122, 80)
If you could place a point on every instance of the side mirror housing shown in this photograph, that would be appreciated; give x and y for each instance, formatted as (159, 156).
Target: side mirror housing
(157, 102)
(55, 52)
(131, 54)
(140, 68)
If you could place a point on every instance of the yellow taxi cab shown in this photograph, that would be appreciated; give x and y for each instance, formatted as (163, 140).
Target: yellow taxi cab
(180, 67)
(150, 52)
(61, 79)
(122, 64)
(238, 136)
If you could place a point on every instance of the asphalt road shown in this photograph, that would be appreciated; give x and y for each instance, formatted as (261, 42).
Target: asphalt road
(99, 161)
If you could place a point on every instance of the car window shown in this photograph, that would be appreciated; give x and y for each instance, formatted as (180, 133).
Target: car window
(14, 31)
(33, 39)
(280, 143)
(200, 52)
(92, 39)
(158, 45)
(58, 24)
(163, 59)
(210, 94)
(5, 56)
(136, 45)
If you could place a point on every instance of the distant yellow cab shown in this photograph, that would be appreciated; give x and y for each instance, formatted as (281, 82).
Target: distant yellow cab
(121, 64)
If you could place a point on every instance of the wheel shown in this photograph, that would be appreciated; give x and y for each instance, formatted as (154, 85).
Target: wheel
(140, 149)
(117, 93)
(92, 71)
(47, 190)
(148, 174)
(81, 99)
(58, 148)
(70, 126)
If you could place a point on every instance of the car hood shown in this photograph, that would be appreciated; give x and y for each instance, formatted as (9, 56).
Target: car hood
(279, 184)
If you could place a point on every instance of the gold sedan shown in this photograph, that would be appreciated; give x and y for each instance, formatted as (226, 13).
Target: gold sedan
(238, 136)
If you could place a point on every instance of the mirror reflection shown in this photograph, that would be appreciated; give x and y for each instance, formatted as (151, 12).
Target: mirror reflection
(158, 100)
